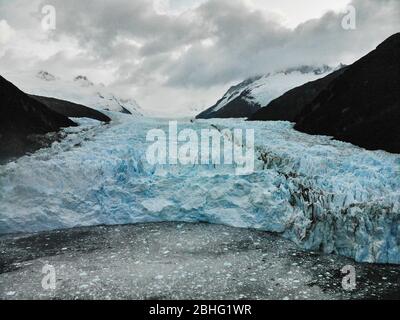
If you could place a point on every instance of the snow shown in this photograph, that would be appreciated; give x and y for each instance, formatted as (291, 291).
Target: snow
(263, 89)
(269, 88)
(322, 194)
(79, 90)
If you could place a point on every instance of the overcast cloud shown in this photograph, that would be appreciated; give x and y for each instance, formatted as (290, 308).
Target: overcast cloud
(177, 55)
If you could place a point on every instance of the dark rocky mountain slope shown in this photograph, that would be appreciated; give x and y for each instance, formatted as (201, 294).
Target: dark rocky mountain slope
(70, 109)
(21, 118)
(362, 105)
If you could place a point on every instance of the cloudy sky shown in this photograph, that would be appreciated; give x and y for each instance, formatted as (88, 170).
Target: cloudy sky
(174, 56)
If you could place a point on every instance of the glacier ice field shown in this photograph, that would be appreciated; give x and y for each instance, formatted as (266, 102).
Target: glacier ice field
(322, 194)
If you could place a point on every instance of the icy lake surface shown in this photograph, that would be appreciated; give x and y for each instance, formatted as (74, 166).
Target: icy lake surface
(322, 194)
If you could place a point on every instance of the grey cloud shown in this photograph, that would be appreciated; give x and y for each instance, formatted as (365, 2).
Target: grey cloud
(247, 44)
(97, 24)
(204, 48)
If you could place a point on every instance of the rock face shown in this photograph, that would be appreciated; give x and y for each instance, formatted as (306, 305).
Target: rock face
(289, 106)
(362, 105)
(70, 109)
(246, 98)
(21, 117)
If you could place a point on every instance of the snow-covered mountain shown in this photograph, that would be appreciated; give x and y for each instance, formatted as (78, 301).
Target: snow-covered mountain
(79, 90)
(288, 106)
(247, 97)
(44, 75)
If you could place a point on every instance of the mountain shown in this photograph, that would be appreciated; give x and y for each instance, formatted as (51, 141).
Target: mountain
(70, 109)
(236, 103)
(44, 75)
(21, 118)
(288, 106)
(362, 105)
(244, 99)
(83, 81)
(79, 90)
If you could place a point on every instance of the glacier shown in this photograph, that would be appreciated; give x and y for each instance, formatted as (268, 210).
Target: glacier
(322, 194)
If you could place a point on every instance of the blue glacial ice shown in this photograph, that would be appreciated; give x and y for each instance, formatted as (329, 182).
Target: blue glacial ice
(322, 194)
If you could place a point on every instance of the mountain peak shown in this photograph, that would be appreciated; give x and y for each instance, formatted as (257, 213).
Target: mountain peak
(46, 76)
(83, 81)
(306, 69)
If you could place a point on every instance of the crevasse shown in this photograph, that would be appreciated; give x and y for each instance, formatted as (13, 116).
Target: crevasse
(322, 194)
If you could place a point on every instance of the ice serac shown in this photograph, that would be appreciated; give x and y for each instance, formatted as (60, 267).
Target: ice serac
(21, 118)
(246, 98)
(322, 194)
(361, 106)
